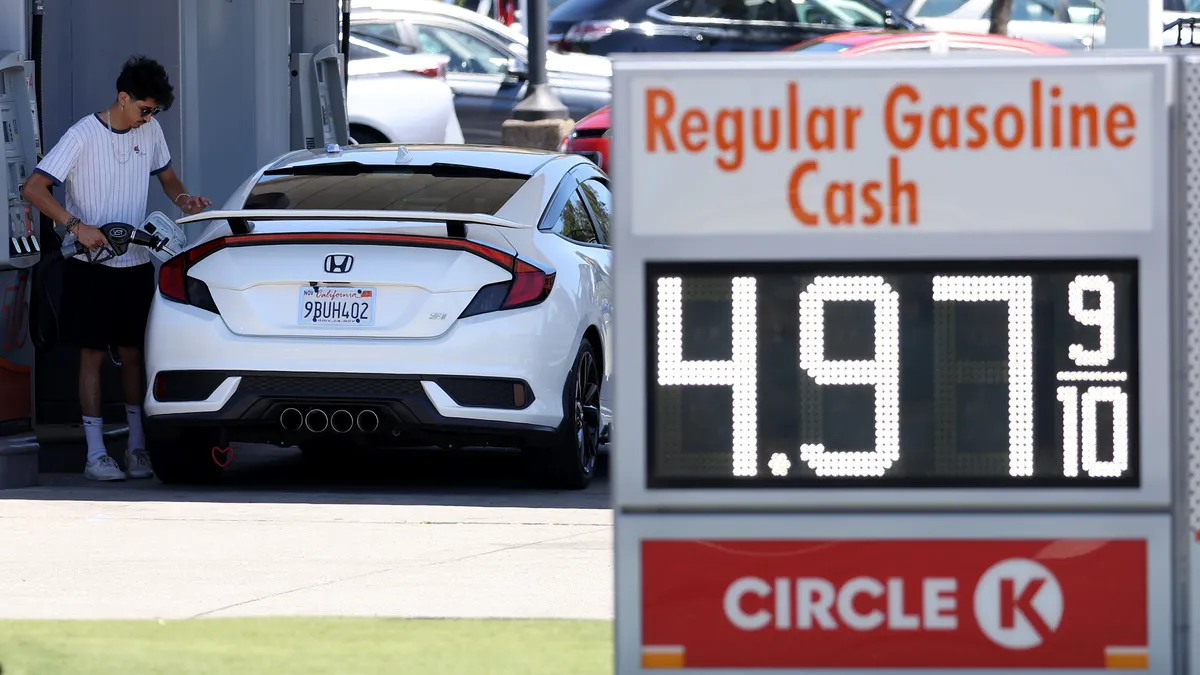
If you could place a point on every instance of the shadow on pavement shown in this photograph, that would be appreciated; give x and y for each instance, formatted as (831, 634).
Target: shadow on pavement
(266, 474)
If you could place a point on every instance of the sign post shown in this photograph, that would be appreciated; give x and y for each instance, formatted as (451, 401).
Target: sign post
(895, 365)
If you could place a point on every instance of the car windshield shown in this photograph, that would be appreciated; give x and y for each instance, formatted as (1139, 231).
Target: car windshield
(444, 189)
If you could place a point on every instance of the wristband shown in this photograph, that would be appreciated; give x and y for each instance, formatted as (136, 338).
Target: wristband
(71, 224)
(181, 194)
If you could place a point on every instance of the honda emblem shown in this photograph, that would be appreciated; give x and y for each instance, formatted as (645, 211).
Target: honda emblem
(338, 264)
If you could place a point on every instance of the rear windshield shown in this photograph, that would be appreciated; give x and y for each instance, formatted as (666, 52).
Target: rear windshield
(390, 191)
(575, 11)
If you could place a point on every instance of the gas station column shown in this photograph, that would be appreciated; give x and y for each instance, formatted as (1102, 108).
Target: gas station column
(1133, 24)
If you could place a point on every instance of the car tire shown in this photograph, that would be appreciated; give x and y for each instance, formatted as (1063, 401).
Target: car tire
(567, 459)
(366, 135)
(182, 461)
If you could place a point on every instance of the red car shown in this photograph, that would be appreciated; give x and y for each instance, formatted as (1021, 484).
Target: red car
(590, 135)
(590, 138)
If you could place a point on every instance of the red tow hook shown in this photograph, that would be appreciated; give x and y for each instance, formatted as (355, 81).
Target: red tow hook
(222, 456)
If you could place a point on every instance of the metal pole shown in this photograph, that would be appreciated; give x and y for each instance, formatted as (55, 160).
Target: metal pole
(345, 43)
(540, 103)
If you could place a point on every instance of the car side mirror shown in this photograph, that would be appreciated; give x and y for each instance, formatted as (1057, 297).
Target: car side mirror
(515, 71)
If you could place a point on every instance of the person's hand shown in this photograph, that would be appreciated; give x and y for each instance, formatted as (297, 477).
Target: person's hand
(90, 236)
(190, 205)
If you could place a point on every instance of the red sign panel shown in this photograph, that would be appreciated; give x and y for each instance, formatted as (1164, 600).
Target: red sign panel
(1060, 603)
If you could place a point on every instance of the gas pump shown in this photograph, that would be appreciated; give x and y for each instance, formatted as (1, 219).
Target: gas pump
(21, 251)
(22, 147)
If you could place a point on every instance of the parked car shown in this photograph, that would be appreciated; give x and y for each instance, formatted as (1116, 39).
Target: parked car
(1070, 24)
(860, 43)
(590, 137)
(394, 99)
(613, 26)
(391, 297)
(487, 61)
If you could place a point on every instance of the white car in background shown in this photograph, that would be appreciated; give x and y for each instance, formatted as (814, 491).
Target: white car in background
(393, 97)
(1068, 24)
(456, 296)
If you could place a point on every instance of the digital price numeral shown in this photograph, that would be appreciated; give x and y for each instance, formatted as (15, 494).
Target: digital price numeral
(1079, 411)
(882, 372)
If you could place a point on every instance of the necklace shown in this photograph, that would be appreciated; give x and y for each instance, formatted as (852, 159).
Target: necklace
(113, 141)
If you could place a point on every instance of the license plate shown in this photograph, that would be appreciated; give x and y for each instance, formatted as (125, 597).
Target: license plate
(337, 306)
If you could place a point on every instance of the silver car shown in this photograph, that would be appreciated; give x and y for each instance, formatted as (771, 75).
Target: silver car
(1069, 24)
(488, 62)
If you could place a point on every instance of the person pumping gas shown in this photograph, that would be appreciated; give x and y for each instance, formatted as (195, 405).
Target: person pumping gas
(104, 161)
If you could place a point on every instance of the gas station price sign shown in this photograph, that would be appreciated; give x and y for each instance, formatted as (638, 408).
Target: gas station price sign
(917, 374)
(840, 286)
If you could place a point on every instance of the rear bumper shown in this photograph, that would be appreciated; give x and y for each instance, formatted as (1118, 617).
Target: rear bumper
(248, 406)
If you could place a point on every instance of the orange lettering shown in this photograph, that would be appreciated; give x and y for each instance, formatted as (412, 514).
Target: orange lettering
(980, 137)
(948, 137)
(794, 199)
(825, 136)
(1005, 140)
(870, 194)
(912, 120)
(1112, 125)
(732, 144)
(845, 214)
(771, 142)
(1078, 113)
(656, 121)
(896, 189)
(694, 123)
(852, 115)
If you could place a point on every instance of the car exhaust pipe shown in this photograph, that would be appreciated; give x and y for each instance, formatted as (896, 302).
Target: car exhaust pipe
(316, 420)
(368, 421)
(341, 421)
(291, 419)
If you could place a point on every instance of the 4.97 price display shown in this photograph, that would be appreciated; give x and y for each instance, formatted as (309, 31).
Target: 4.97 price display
(903, 374)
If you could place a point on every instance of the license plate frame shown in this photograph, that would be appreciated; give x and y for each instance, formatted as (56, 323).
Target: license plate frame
(347, 297)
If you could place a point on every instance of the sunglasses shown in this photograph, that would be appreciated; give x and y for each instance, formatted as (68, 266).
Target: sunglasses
(148, 112)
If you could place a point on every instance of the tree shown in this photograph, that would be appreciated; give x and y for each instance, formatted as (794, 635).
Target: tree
(1001, 10)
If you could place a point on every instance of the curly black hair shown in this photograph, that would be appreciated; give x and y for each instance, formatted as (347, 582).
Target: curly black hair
(144, 78)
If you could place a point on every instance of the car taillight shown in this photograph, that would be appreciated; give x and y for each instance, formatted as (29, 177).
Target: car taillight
(437, 72)
(529, 286)
(175, 284)
(590, 31)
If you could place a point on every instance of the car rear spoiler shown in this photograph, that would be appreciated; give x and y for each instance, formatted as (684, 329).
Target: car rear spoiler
(456, 223)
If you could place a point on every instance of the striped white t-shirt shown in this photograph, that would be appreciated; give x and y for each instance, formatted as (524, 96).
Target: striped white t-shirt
(107, 175)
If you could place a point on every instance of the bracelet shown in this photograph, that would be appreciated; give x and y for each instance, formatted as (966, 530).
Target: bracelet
(71, 224)
(181, 194)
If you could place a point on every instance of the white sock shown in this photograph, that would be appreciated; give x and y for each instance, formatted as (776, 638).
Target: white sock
(133, 414)
(93, 428)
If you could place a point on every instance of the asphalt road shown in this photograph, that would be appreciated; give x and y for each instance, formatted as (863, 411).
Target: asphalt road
(429, 535)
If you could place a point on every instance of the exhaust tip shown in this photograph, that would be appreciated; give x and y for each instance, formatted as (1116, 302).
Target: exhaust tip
(368, 421)
(341, 421)
(316, 420)
(291, 419)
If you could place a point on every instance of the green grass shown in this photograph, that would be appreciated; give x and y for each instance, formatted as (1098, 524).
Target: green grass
(303, 646)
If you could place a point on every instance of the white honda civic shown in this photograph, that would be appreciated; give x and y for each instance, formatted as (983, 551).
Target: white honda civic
(391, 296)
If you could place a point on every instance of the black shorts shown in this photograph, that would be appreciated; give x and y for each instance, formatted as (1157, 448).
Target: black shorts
(105, 306)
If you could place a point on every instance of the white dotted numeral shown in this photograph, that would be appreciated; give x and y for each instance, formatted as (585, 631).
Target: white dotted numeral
(881, 372)
(1077, 414)
(1018, 293)
(740, 372)
(1103, 317)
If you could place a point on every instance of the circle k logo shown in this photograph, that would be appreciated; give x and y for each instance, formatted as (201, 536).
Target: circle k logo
(1018, 603)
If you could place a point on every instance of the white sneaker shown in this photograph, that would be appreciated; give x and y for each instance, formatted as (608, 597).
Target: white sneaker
(105, 468)
(137, 464)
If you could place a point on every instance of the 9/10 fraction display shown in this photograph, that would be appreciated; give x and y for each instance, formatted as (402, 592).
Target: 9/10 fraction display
(964, 374)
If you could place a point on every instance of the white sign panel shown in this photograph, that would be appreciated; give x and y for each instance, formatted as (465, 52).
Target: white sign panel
(816, 144)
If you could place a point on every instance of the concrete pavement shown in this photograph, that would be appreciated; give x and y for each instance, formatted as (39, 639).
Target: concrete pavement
(429, 536)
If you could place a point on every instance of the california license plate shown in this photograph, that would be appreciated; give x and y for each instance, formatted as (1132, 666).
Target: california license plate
(337, 306)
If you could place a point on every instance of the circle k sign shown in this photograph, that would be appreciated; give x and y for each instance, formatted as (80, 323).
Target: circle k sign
(1018, 603)
(899, 604)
